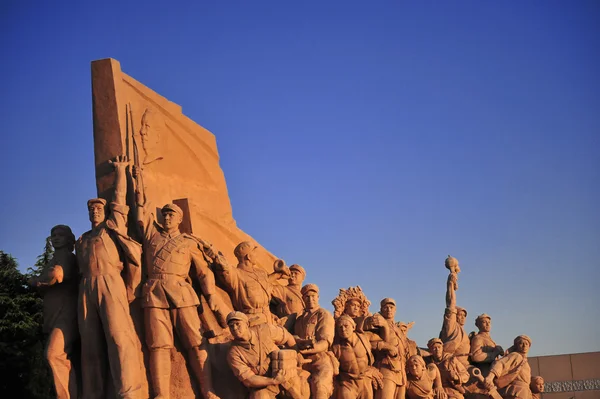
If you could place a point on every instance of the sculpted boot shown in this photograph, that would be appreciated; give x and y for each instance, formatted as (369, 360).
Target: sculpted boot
(198, 358)
(160, 373)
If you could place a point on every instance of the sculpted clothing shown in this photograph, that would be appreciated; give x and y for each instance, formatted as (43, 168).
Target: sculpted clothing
(289, 298)
(318, 324)
(482, 348)
(391, 367)
(355, 359)
(60, 322)
(249, 358)
(455, 339)
(103, 253)
(516, 369)
(448, 366)
(250, 288)
(420, 388)
(168, 298)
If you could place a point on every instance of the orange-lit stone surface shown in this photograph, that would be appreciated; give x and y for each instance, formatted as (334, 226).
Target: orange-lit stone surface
(180, 164)
(574, 376)
(182, 157)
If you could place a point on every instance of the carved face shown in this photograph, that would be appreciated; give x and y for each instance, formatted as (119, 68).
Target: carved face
(295, 277)
(149, 124)
(345, 329)
(523, 346)
(485, 325)
(311, 300)
(59, 238)
(388, 311)
(454, 266)
(415, 368)
(437, 351)
(251, 256)
(172, 219)
(352, 308)
(537, 384)
(96, 213)
(239, 329)
(461, 317)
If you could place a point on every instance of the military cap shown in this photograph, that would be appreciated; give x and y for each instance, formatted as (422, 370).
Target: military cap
(459, 309)
(308, 288)
(243, 249)
(522, 338)
(235, 315)
(345, 317)
(101, 201)
(172, 208)
(298, 268)
(482, 316)
(385, 301)
(434, 341)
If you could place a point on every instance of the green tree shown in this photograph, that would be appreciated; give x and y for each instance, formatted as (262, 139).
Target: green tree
(42, 260)
(22, 366)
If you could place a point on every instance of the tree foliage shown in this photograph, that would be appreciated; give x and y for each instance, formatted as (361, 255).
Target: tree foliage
(23, 372)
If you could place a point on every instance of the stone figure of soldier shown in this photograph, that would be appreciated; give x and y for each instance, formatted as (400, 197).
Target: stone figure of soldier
(483, 348)
(109, 262)
(250, 352)
(389, 350)
(453, 335)
(169, 301)
(314, 331)
(357, 376)
(249, 285)
(512, 373)
(452, 372)
(58, 284)
(289, 298)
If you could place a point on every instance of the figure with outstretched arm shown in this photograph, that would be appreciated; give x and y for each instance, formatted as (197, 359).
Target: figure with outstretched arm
(169, 301)
(453, 334)
(109, 262)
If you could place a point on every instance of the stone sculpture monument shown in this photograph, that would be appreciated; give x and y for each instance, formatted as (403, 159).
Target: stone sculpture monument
(159, 311)
(314, 332)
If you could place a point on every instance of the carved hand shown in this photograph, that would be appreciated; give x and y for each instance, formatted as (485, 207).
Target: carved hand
(209, 252)
(213, 303)
(120, 162)
(279, 378)
(57, 273)
(454, 376)
(135, 171)
(489, 381)
(439, 393)
(499, 351)
(378, 320)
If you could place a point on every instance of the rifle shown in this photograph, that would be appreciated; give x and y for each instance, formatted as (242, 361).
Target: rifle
(140, 193)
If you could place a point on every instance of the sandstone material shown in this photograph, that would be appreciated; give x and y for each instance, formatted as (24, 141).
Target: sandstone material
(179, 157)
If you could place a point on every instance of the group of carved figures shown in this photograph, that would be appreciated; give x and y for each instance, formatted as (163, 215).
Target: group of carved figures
(281, 342)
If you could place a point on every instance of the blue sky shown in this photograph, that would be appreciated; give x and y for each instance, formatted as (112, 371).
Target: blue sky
(362, 140)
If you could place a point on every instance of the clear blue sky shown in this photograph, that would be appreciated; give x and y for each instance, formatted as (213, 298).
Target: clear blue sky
(362, 140)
